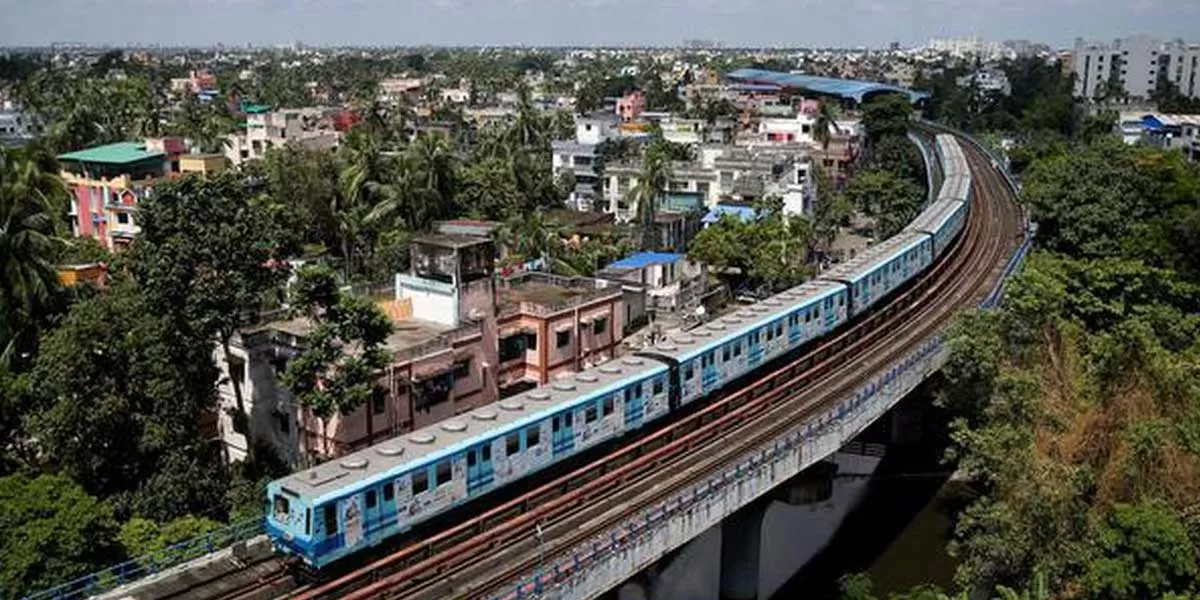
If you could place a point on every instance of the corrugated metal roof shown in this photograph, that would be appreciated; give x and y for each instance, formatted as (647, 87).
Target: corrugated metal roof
(118, 154)
(645, 259)
(846, 88)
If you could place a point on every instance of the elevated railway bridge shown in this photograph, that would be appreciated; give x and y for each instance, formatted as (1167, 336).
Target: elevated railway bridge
(586, 531)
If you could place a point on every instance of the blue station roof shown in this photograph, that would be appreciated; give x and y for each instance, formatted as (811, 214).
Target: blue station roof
(846, 88)
(645, 259)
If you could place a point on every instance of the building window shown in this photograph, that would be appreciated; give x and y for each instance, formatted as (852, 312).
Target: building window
(600, 325)
(562, 338)
(512, 347)
(378, 401)
(123, 218)
(285, 423)
(237, 370)
(462, 369)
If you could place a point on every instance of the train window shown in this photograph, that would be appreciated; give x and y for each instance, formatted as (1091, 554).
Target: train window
(512, 444)
(567, 418)
(471, 460)
(485, 453)
(443, 473)
(331, 525)
(590, 414)
(420, 482)
(608, 406)
(807, 316)
(841, 300)
(308, 521)
(533, 436)
(389, 492)
(282, 508)
(778, 329)
(638, 391)
(770, 333)
(737, 348)
(372, 499)
(658, 385)
(555, 424)
(688, 373)
(725, 354)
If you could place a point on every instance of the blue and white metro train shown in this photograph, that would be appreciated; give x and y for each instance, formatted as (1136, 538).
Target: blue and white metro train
(354, 502)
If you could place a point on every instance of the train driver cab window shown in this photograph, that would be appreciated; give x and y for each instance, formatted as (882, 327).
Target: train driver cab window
(443, 473)
(420, 482)
(372, 500)
(331, 525)
(282, 507)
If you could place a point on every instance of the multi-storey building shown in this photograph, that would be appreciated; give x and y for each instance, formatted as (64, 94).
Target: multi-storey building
(313, 128)
(106, 183)
(1134, 68)
(461, 336)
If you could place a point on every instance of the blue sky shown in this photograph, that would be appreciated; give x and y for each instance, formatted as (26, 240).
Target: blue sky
(586, 22)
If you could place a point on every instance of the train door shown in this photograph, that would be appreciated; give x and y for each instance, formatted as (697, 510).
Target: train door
(635, 406)
(562, 433)
(674, 387)
(372, 512)
(710, 376)
(479, 467)
(754, 349)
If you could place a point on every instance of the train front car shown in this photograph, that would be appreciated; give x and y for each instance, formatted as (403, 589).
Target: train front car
(342, 506)
(713, 355)
(288, 521)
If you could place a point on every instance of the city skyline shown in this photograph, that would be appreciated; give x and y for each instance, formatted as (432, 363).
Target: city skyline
(871, 23)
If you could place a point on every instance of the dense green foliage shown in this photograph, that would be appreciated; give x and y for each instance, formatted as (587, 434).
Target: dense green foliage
(53, 530)
(1078, 402)
(336, 372)
(769, 251)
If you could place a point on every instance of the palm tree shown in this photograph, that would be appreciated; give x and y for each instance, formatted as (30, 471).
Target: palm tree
(825, 126)
(652, 184)
(359, 186)
(30, 199)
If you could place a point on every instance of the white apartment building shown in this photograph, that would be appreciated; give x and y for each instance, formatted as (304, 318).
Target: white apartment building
(1135, 65)
(274, 129)
(579, 157)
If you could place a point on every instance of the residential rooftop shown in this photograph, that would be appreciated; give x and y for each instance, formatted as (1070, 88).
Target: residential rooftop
(120, 153)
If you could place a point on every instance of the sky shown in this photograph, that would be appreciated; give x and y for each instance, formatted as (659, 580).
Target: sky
(841, 23)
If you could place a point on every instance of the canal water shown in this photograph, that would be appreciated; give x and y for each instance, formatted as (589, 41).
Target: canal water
(900, 531)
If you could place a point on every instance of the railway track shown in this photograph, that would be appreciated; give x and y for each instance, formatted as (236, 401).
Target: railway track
(566, 511)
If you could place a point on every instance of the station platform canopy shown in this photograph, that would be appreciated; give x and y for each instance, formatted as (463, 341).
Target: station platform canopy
(850, 89)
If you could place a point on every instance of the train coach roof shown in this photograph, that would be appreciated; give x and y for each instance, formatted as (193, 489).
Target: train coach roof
(931, 219)
(687, 345)
(957, 187)
(436, 442)
(884, 252)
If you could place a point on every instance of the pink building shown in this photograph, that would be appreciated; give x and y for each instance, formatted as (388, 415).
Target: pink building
(631, 105)
(461, 334)
(106, 183)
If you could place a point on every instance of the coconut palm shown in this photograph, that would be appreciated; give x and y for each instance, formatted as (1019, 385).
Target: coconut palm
(30, 199)
(652, 184)
(825, 126)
